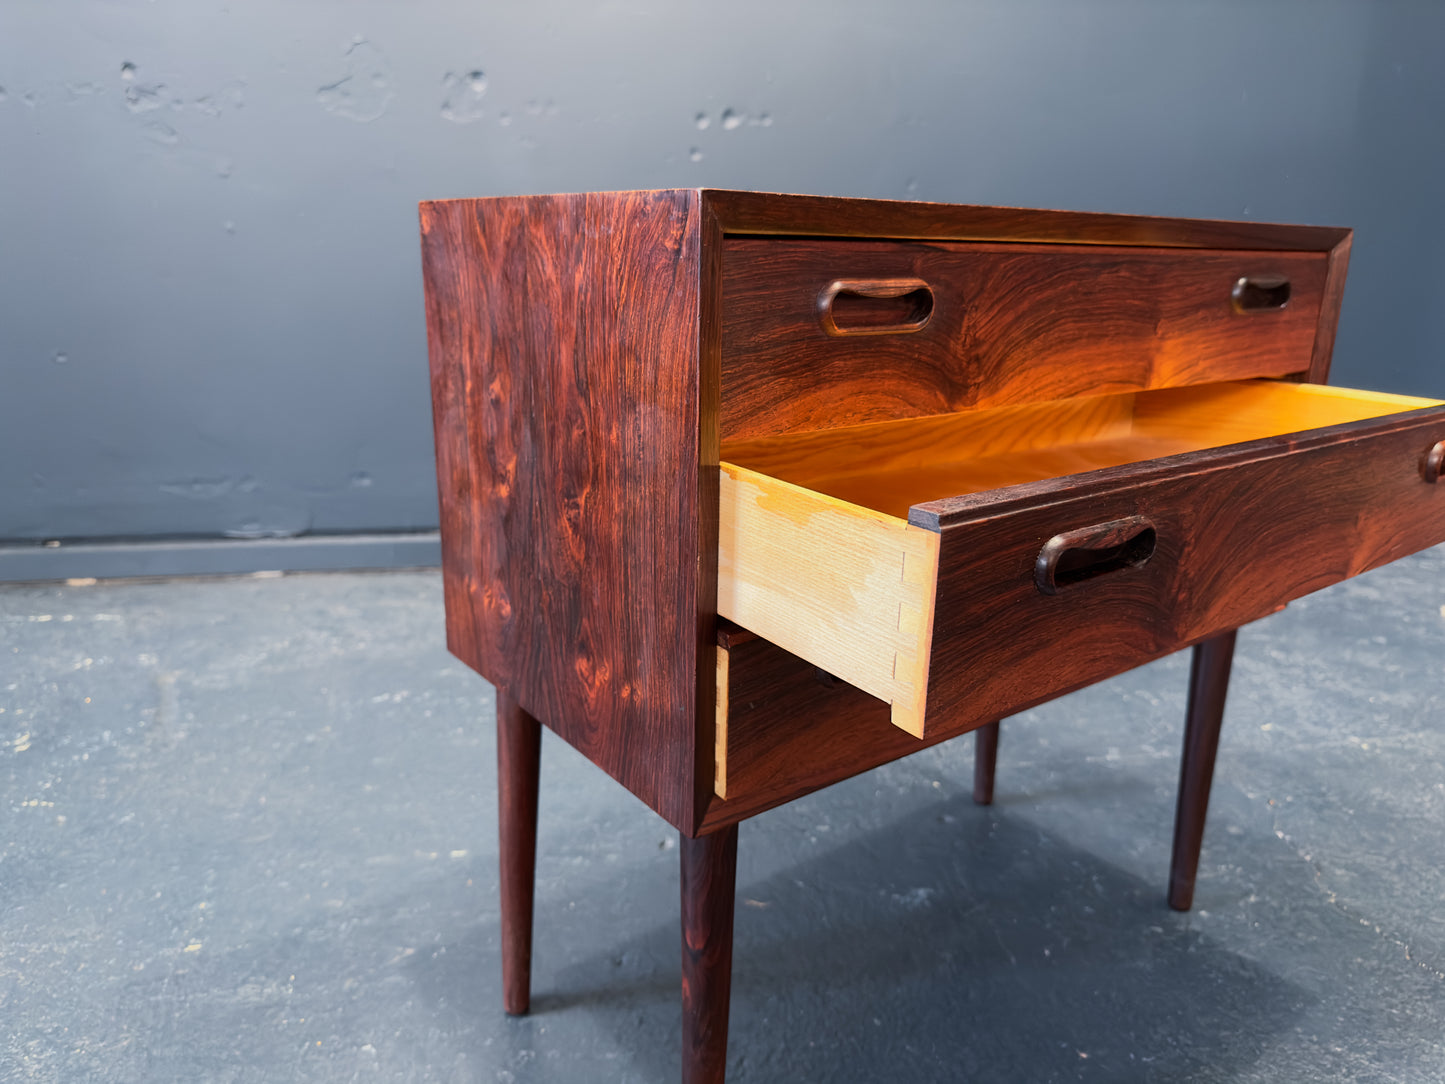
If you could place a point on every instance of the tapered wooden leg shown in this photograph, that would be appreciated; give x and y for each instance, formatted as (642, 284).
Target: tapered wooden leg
(1208, 685)
(519, 758)
(985, 759)
(709, 876)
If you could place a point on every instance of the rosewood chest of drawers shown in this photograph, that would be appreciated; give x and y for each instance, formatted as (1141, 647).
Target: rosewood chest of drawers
(743, 494)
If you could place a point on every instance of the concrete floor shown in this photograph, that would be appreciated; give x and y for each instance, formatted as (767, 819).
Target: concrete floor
(250, 837)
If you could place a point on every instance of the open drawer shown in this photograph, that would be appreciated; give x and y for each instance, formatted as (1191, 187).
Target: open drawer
(965, 566)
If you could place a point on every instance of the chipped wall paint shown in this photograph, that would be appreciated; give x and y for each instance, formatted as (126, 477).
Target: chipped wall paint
(210, 298)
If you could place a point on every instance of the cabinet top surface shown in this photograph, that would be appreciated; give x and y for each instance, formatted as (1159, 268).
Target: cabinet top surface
(775, 213)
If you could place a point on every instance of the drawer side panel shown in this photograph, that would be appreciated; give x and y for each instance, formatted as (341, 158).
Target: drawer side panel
(849, 589)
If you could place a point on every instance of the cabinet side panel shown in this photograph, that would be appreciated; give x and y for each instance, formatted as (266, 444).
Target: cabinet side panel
(564, 337)
(450, 339)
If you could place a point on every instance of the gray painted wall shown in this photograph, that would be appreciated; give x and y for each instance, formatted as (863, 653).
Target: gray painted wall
(210, 298)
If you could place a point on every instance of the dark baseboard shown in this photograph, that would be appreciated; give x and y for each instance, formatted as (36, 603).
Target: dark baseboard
(218, 557)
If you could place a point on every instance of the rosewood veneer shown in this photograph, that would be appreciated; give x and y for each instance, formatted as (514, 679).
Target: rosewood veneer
(743, 494)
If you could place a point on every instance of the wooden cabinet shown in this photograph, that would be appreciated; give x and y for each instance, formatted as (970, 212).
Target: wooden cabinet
(743, 494)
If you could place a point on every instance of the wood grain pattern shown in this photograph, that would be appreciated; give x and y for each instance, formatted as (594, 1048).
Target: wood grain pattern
(590, 353)
(578, 357)
(1262, 528)
(1214, 415)
(720, 725)
(566, 343)
(847, 588)
(1010, 324)
(790, 732)
(985, 761)
(709, 878)
(709, 352)
(891, 466)
(910, 449)
(1241, 531)
(819, 576)
(1208, 687)
(1334, 295)
(782, 214)
(519, 759)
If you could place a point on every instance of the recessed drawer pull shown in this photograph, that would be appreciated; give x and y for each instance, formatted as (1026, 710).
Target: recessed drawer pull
(1261, 293)
(1435, 462)
(1090, 552)
(875, 306)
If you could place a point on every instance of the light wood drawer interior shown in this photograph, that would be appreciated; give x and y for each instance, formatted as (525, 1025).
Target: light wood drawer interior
(817, 555)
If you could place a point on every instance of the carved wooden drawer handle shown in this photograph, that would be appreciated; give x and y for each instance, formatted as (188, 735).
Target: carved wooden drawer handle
(1435, 462)
(1090, 552)
(1260, 293)
(875, 306)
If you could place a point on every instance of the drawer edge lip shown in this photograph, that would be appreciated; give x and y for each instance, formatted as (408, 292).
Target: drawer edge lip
(946, 512)
(772, 214)
(1006, 245)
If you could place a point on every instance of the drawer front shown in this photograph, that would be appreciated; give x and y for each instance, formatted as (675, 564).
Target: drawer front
(1237, 533)
(1236, 538)
(821, 333)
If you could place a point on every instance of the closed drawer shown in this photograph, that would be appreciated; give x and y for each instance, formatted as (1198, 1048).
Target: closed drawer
(966, 566)
(824, 333)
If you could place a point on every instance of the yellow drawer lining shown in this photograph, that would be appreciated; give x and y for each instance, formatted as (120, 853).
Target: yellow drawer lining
(888, 467)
